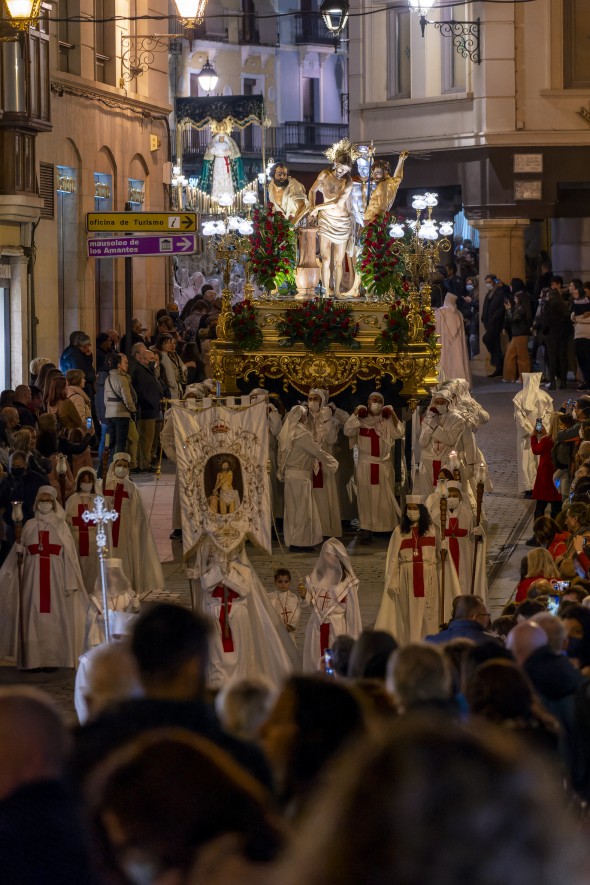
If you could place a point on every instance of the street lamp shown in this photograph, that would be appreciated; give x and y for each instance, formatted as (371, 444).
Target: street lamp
(22, 13)
(207, 77)
(191, 12)
(335, 15)
(421, 6)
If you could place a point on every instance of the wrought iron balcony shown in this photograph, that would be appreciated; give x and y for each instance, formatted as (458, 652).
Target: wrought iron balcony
(296, 137)
(310, 28)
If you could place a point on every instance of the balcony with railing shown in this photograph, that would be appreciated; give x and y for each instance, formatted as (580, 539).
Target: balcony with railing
(294, 137)
(310, 28)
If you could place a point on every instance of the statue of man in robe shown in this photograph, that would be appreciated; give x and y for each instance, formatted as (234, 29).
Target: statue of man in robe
(334, 213)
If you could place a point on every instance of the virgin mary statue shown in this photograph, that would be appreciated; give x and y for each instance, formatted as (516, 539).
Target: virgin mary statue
(223, 172)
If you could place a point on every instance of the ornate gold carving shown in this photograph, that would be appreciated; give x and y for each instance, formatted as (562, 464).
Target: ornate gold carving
(337, 369)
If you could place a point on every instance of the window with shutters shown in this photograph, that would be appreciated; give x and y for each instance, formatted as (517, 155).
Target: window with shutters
(47, 189)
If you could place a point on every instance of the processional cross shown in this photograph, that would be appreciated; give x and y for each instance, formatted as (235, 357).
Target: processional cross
(100, 517)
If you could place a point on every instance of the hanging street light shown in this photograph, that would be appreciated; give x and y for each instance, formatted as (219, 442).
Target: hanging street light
(191, 12)
(21, 14)
(335, 15)
(207, 77)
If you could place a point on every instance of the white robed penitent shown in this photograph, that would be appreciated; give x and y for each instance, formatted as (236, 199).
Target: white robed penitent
(332, 592)
(54, 599)
(249, 639)
(530, 403)
(374, 436)
(132, 540)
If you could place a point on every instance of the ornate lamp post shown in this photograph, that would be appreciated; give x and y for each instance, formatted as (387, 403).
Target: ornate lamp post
(231, 244)
(421, 253)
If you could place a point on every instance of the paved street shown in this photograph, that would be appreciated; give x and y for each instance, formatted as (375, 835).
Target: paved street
(509, 525)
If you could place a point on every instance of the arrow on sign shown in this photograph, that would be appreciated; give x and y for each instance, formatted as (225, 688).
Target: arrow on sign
(185, 244)
(187, 222)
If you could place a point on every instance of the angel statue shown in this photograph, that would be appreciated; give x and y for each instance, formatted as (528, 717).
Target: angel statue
(223, 172)
(334, 213)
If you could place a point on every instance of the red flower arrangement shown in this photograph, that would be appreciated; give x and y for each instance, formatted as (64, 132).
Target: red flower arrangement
(244, 327)
(379, 264)
(272, 255)
(319, 323)
(397, 327)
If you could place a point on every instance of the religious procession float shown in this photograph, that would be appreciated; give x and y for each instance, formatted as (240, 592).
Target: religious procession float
(336, 290)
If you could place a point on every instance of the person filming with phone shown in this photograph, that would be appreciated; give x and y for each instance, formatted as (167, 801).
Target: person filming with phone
(544, 491)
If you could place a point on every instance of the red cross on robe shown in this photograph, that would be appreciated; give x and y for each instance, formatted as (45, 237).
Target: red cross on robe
(226, 596)
(453, 533)
(325, 627)
(119, 494)
(416, 543)
(83, 535)
(44, 550)
(371, 434)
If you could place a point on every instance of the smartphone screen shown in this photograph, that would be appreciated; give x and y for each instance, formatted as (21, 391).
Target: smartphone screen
(88, 423)
(328, 668)
(553, 604)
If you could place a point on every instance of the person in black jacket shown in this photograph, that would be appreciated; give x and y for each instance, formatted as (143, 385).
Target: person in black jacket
(518, 321)
(41, 835)
(150, 391)
(21, 484)
(78, 355)
(557, 329)
(171, 647)
(492, 317)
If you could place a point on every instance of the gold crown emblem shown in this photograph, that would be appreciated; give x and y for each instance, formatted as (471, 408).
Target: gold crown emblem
(222, 127)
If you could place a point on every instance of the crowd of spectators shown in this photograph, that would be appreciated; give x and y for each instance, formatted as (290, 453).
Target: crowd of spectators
(463, 758)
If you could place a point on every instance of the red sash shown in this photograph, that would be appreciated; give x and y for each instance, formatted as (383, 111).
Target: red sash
(119, 493)
(324, 637)
(372, 434)
(453, 532)
(416, 543)
(82, 526)
(436, 465)
(318, 478)
(45, 551)
(226, 596)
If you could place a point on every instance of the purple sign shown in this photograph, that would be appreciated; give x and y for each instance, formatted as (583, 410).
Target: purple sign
(141, 247)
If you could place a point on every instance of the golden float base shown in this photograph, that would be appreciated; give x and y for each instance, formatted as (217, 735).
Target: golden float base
(337, 368)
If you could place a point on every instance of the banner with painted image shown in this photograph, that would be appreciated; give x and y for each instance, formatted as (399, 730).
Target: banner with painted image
(222, 464)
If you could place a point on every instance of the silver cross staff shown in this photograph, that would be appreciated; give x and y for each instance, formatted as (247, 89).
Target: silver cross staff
(100, 516)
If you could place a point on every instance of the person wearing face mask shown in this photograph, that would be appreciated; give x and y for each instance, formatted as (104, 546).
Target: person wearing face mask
(518, 322)
(150, 390)
(530, 405)
(297, 455)
(131, 535)
(324, 426)
(471, 314)
(53, 597)
(492, 316)
(373, 429)
(410, 603)
(87, 487)
(441, 432)
(451, 329)
(332, 592)
(21, 484)
(459, 541)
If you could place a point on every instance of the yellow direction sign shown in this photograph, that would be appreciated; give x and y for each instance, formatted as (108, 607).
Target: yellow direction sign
(141, 222)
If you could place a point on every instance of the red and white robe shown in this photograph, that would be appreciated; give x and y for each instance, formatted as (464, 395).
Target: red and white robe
(84, 535)
(410, 604)
(54, 599)
(375, 478)
(461, 543)
(334, 611)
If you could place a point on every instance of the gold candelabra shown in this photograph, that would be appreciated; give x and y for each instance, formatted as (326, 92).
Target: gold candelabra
(421, 254)
(230, 243)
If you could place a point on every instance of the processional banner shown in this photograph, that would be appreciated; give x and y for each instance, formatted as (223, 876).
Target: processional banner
(222, 466)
